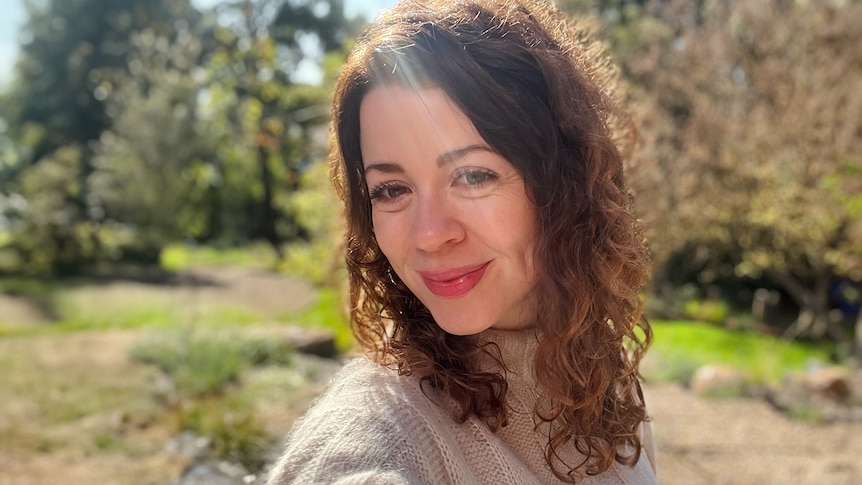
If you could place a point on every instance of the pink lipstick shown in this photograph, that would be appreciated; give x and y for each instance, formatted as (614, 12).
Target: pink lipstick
(453, 283)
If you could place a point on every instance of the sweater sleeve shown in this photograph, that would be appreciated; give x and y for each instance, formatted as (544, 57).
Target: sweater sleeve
(351, 435)
(373, 478)
(324, 452)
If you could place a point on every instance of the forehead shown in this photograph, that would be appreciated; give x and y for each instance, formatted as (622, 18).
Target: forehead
(396, 121)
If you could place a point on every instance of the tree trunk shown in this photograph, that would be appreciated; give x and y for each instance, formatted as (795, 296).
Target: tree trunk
(266, 226)
(857, 353)
(813, 320)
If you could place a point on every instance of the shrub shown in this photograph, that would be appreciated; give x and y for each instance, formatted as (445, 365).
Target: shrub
(713, 311)
(204, 361)
(233, 432)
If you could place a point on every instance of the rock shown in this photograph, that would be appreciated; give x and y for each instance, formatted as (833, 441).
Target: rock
(215, 473)
(832, 382)
(828, 393)
(311, 341)
(718, 381)
(188, 445)
(165, 389)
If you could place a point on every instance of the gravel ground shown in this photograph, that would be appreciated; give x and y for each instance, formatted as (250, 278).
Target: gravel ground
(745, 441)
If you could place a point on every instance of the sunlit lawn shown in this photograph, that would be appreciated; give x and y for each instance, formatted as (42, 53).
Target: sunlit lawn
(680, 347)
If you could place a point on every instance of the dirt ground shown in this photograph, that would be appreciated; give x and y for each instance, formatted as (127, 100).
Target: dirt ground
(731, 441)
(747, 442)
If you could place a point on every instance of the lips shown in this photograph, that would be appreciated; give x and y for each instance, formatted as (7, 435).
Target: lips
(454, 283)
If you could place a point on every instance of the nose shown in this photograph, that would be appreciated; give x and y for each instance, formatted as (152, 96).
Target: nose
(435, 224)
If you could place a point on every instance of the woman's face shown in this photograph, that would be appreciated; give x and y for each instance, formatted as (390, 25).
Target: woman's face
(451, 215)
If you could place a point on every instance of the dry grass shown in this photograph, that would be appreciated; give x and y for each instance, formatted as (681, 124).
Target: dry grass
(72, 397)
(75, 409)
(74, 406)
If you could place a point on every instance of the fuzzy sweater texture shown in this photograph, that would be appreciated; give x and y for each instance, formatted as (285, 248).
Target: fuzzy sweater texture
(373, 426)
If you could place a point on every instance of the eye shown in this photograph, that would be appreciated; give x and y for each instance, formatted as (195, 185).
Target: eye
(474, 177)
(387, 192)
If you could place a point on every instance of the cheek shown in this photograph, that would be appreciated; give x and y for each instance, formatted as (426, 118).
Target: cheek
(386, 235)
(527, 243)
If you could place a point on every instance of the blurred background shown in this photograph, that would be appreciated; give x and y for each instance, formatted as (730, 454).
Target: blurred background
(170, 283)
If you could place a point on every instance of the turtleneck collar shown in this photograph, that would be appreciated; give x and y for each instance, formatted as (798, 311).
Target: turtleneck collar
(517, 350)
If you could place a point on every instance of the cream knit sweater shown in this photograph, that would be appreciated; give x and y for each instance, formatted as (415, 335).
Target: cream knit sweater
(373, 426)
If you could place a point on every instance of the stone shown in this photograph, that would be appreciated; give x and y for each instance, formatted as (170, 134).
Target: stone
(831, 382)
(215, 473)
(188, 445)
(312, 341)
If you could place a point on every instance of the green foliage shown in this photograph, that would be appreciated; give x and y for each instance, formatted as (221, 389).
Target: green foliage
(234, 432)
(71, 53)
(149, 168)
(134, 316)
(93, 304)
(87, 309)
(265, 124)
(681, 347)
(72, 58)
(36, 288)
(713, 311)
(317, 209)
(203, 362)
(197, 363)
(315, 204)
(752, 161)
(180, 256)
(313, 261)
(47, 231)
(258, 350)
(327, 312)
(53, 384)
(136, 124)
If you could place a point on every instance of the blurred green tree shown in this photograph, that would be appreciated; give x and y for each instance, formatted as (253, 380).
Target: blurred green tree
(752, 139)
(269, 115)
(72, 54)
(187, 126)
(152, 167)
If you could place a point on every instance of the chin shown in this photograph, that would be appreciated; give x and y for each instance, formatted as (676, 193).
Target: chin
(460, 327)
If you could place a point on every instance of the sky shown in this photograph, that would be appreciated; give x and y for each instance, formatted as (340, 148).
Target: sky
(13, 15)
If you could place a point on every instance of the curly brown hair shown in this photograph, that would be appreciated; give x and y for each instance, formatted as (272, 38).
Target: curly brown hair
(543, 94)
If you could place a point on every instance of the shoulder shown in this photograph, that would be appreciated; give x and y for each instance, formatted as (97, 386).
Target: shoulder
(360, 376)
(361, 430)
(369, 393)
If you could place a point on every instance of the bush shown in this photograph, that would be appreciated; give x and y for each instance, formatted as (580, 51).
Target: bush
(202, 362)
(712, 311)
(317, 210)
(326, 313)
(234, 433)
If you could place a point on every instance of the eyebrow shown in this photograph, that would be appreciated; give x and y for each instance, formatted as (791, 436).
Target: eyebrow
(442, 159)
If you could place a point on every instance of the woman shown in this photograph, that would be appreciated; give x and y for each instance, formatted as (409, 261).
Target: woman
(493, 256)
